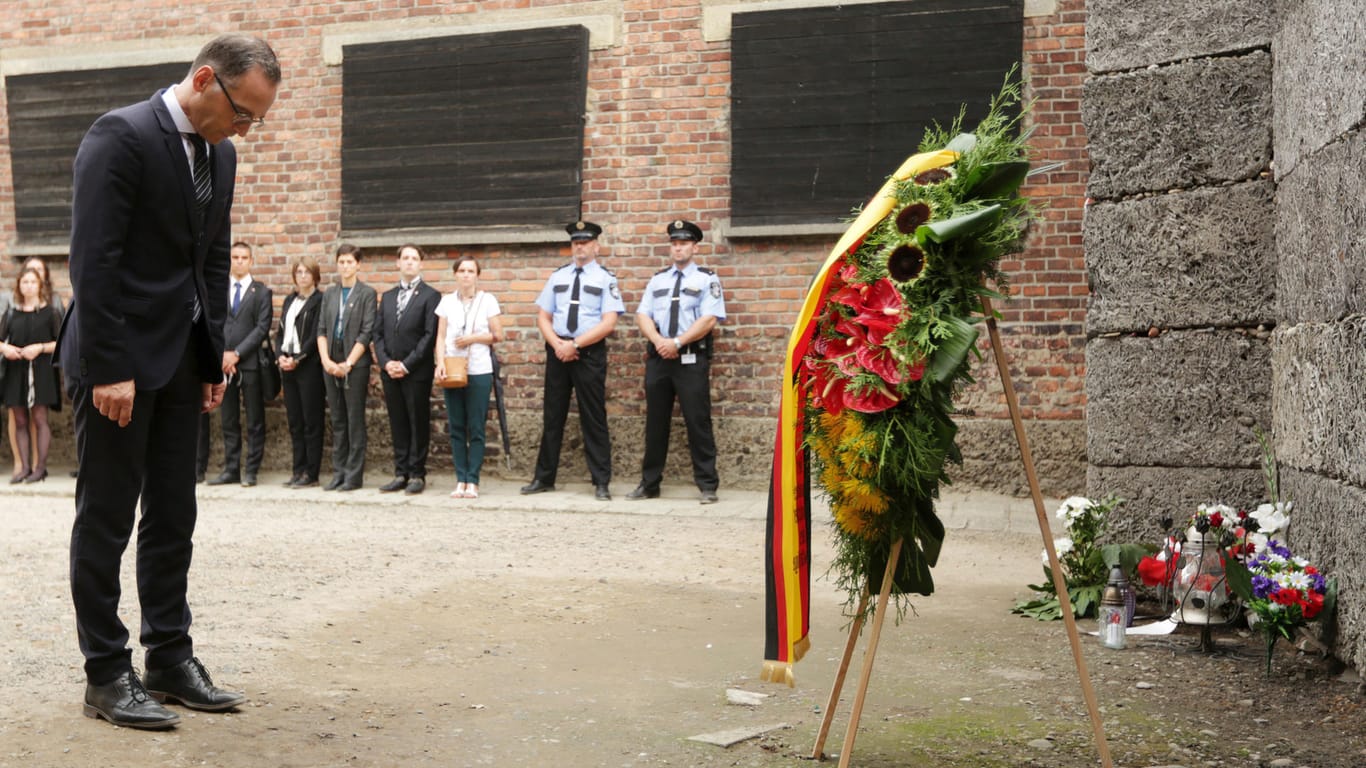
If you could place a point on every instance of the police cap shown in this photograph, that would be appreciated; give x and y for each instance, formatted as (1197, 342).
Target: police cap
(583, 230)
(684, 230)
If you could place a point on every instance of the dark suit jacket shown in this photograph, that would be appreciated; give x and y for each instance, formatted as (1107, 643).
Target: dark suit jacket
(244, 332)
(408, 340)
(358, 323)
(140, 253)
(305, 325)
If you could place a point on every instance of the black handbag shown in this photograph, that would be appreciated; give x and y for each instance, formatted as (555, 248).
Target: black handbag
(270, 371)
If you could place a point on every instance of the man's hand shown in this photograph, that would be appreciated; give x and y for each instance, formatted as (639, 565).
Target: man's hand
(115, 401)
(395, 369)
(213, 396)
(286, 363)
(566, 351)
(230, 360)
(666, 349)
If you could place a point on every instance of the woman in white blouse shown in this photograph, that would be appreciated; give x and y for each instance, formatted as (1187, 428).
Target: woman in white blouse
(468, 325)
(302, 372)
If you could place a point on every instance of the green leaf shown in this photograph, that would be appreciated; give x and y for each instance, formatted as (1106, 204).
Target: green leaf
(1126, 556)
(958, 226)
(994, 181)
(1083, 598)
(1330, 599)
(953, 349)
(1239, 579)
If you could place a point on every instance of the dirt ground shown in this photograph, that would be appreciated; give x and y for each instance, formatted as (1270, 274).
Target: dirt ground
(373, 630)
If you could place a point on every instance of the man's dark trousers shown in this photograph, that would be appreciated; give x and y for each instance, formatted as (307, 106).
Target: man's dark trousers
(153, 457)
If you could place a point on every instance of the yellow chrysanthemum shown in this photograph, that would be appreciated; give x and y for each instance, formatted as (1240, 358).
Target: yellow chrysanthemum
(857, 505)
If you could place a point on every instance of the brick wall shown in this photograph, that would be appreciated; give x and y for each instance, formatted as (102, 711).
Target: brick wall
(656, 148)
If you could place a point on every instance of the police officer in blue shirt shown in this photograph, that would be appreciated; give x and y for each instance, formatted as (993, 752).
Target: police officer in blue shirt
(681, 306)
(578, 310)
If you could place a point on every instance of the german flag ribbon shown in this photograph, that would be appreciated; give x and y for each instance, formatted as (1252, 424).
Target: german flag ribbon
(787, 549)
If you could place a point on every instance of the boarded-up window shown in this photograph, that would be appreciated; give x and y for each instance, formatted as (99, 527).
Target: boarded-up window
(469, 131)
(826, 102)
(49, 114)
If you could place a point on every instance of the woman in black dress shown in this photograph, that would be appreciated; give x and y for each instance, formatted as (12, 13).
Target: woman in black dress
(302, 372)
(30, 387)
(55, 299)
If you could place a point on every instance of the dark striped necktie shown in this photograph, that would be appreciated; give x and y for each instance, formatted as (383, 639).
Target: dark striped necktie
(203, 193)
(203, 179)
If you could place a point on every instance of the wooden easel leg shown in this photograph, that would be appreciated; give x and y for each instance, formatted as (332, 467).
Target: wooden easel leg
(1059, 581)
(818, 753)
(884, 596)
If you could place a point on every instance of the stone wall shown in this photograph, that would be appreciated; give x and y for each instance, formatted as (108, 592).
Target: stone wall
(1224, 299)
(1179, 253)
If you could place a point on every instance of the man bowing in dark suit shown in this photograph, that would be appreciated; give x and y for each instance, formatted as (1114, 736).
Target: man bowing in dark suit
(250, 307)
(405, 332)
(141, 349)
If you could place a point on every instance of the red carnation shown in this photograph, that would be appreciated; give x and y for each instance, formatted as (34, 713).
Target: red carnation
(1286, 597)
(1311, 604)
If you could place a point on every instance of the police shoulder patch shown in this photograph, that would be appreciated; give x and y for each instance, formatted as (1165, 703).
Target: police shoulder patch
(716, 289)
(614, 290)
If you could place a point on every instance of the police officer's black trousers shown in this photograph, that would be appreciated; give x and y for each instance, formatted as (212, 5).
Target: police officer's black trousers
(587, 377)
(665, 380)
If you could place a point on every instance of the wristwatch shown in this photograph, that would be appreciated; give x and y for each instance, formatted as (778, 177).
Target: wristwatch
(575, 343)
(677, 344)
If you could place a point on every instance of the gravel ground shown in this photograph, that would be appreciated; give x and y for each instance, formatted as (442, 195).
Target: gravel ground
(374, 630)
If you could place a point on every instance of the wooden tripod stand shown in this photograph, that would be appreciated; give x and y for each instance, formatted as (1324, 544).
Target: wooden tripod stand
(884, 596)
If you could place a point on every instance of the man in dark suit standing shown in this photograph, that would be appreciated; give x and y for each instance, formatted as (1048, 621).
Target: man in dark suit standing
(141, 349)
(405, 332)
(250, 309)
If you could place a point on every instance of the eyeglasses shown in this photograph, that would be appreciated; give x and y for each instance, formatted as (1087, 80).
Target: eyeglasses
(239, 117)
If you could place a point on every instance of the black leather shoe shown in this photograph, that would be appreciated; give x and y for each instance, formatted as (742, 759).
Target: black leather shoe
(188, 683)
(291, 482)
(349, 487)
(227, 478)
(125, 702)
(334, 485)
(397, 484)
(249, 481)
(708, 497)
(601, 493)
(304, 482)
(536, 486)
(641, 493)
(415, 486)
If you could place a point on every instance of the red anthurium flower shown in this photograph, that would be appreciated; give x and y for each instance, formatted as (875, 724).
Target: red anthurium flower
(858, 335)
(871, 399)
(879, 360)
(881, 311)
(917, 370)
(850, 296)
(1216, 520)
(825, 385)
